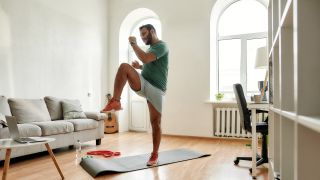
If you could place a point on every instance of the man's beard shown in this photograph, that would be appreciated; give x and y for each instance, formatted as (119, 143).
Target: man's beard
(149, 39)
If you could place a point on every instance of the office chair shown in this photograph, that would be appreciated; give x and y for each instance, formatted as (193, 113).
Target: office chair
(245, 119)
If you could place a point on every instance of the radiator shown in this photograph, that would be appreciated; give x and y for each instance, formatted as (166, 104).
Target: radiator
(227, 123)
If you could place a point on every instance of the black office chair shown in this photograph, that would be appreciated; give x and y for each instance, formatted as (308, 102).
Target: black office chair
(245, 118)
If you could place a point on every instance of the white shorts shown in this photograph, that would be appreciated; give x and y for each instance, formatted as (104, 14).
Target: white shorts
(153, 94)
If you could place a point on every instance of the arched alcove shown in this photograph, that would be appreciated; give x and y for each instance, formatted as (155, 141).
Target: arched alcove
(127, 24)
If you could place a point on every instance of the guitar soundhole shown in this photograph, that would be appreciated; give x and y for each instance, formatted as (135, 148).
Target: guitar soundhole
(109, 117)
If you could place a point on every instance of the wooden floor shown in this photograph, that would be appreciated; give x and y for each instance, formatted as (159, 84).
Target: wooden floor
(218, 166)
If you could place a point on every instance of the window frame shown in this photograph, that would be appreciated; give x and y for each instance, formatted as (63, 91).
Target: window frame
(243, 60)
(217, 10)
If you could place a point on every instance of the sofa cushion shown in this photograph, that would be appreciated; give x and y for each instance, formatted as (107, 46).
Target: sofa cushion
(72, 109)
(83, 124)
(3, 120)
(25, 130)
(29, 110)
(54, 127)
(55, 107)
(4, 106)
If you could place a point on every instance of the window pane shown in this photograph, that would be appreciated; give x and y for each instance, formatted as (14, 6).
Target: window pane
(229, 64)
(243, 17)
(254, 75)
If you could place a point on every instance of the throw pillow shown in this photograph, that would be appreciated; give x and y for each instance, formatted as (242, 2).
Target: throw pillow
(29, 110)
(54, 106)
(3, 121)
(4, 106)
(72, 110)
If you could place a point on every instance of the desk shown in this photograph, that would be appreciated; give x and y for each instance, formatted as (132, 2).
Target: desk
(254, 107)
(8, 144)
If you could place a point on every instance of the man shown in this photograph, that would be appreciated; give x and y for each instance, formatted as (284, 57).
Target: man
(151, 83)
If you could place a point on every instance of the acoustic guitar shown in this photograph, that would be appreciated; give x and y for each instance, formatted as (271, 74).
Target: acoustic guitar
(111, 123)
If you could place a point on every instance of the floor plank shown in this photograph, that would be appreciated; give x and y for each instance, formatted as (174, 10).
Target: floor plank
(217, 166)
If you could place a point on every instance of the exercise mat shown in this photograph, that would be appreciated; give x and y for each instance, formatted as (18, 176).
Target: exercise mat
(97, 167)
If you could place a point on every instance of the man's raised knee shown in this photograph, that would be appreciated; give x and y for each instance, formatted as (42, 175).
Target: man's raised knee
(124, 65)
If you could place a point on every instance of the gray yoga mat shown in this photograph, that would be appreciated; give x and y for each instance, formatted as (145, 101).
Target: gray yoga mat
(97, 167)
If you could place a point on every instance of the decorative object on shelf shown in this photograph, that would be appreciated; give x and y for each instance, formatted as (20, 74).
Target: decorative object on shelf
(257, 98)
(262, 63)
(219, 96)
(260, 86)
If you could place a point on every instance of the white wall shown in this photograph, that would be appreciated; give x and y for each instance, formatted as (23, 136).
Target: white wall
(185, 27)
(54, 47)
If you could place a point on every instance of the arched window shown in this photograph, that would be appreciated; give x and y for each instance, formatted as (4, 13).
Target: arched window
(239, 29)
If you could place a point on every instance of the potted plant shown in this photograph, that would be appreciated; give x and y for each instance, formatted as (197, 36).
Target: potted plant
(219, 96)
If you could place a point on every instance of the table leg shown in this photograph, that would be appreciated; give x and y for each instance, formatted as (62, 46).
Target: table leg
(54, 159)
(254, 141)
(6, 164)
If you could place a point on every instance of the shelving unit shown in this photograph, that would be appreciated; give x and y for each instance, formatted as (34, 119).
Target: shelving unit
(294, 69)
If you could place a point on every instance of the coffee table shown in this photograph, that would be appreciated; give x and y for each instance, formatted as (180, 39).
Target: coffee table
(9, 144)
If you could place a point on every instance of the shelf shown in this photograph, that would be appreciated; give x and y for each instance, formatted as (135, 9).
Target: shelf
(275, 42)
(275, 17)
(307, 154)
(312, 122)
(287, 69)
(282, 7)
(294, 117)
(276, 110)
(287, 131)
(269, 22)
(274, 173)
(307, 64)
(287, 16)
(289, 115)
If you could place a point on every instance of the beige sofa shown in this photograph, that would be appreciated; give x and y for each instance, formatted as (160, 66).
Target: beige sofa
(61, 119)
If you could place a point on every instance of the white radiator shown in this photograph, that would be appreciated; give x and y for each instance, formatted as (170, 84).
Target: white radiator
(227, 123)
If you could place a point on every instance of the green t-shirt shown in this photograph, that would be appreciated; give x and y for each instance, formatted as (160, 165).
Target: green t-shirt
(156, 72)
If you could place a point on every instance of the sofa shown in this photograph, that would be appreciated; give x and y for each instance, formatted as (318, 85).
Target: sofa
(62, 119)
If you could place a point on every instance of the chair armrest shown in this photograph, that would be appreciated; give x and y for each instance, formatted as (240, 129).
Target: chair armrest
(259, 111)
(4, 124)
(96, 116)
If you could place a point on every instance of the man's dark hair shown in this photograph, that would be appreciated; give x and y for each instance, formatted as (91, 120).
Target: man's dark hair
(148, 27)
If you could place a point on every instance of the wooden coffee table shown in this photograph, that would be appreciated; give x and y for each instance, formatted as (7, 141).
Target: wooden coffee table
(9, 144)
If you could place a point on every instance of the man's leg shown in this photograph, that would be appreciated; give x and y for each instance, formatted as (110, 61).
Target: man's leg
(155, 120)
(125, 73)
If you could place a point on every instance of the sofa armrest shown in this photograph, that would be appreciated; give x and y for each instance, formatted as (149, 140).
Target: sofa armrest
(3, 123)
(96, 116)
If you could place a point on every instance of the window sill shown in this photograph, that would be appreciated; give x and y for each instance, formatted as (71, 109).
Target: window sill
(227, 101)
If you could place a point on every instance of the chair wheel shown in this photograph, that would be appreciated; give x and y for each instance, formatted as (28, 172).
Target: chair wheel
(236, 161)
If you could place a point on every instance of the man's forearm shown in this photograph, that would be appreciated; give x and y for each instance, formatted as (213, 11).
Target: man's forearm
(139, 52)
